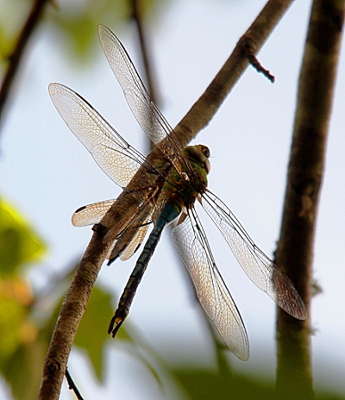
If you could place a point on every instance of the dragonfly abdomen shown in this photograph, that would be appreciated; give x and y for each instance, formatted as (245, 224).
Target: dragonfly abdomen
(169, 213)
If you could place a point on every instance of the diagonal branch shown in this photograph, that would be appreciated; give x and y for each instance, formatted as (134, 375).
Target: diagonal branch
(199, 115)
(306, 167)
(19, 49)
(72, 310)
(249, 44)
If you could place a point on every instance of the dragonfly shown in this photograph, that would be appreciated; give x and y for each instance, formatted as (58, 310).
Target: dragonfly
(174, 182)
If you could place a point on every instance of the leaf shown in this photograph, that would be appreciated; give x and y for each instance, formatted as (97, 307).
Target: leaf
(79, 25)
(23, 370)
(81, 35)
(22, 347)
(204, 385)
(19, 243)
(92, 333)
(15, 300)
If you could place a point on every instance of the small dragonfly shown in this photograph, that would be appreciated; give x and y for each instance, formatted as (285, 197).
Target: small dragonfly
(174, 181)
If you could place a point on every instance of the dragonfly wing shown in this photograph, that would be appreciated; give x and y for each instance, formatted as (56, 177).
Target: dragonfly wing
(133, 233)
(191, 242)
(134, 244)
(144, 110)
(131, 248)
(92, 213)
(259, 268)
(113, 154)
(138, 98)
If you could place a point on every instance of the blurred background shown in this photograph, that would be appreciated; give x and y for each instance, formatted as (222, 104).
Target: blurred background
(46, 174)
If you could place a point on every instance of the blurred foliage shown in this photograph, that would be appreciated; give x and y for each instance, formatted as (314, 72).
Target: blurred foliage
(78, 24)
(92, 333)
(224, 384)
(210, 385)
(26, 320)
(75, 22)
(21, 346)
(19, 244)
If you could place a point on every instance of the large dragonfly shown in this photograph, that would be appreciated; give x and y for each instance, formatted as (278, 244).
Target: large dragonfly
(174, 181)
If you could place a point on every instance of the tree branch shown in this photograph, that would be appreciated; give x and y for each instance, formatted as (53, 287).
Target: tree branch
(72, 310)
(18, 51)
(199, 115)
(137, 12)
(207, 105)
(307, 158)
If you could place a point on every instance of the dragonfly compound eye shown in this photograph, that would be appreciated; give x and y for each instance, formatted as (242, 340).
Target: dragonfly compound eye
(206, 151)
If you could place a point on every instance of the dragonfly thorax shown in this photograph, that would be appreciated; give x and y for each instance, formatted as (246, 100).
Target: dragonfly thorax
(185, 191)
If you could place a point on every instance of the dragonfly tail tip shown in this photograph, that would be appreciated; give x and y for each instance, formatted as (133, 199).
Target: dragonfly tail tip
(114, 326)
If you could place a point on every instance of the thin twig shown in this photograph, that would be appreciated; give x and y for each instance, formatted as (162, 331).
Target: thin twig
(256, 64)
(72, 385)
(148, 65)
(17, 54)
(205, 108)
(137, 16)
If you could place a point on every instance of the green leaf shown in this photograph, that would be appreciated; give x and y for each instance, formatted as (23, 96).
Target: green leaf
(23, 370)
(204, 385)
(19, 243)
(22, 347)
(15, 300)
(79, 25)
(92, 333)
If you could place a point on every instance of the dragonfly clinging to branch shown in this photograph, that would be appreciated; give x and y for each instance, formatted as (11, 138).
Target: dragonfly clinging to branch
(174, 181)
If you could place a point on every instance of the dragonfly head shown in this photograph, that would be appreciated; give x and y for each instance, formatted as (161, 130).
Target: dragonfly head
(199, 154)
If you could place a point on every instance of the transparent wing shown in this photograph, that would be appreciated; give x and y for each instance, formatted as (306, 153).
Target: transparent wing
(113, 154)
(131, 247)
(191, 242)
(92, 213)
(259, 268)
(133, 233)
(135, 242)
(144, 110)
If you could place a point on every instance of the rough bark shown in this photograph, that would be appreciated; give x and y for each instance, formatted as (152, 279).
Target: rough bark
(305, 173)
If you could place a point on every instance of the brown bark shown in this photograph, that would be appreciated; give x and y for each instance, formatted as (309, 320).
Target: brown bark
(295, 250)
(72, 310)
(248, 45)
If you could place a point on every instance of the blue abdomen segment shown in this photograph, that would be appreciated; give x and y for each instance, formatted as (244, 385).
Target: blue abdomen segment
(169, 213)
